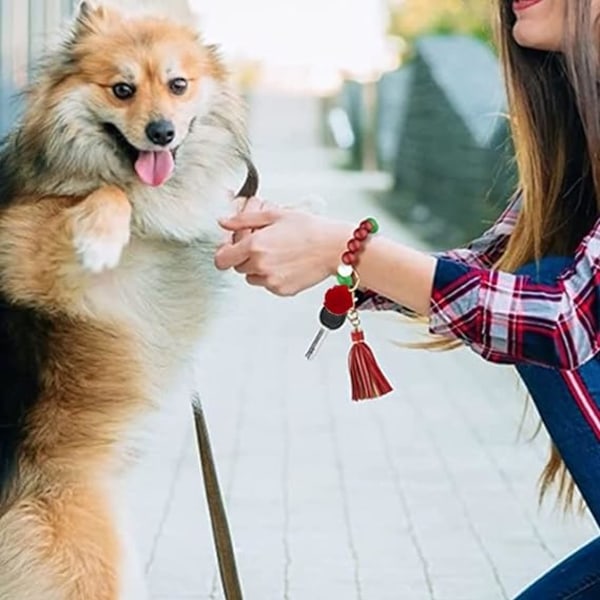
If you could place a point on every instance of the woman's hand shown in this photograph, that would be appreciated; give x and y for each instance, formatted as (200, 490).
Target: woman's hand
(282, 250)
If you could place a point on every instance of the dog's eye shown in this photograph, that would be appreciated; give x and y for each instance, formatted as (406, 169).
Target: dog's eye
(178, 85)
(123, 91)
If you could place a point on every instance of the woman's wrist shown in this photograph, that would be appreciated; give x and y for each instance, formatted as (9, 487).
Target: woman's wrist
(336, 237)
(400, 273)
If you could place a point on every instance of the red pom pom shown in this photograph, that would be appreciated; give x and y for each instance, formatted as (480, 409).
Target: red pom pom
(349, 258)
(338, 300)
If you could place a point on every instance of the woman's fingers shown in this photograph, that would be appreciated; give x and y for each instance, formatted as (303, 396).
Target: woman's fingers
(250, 219)
(232, 255)
(246, 204)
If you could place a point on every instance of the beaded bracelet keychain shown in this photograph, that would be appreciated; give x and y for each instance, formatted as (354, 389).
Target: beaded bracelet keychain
(339, 305)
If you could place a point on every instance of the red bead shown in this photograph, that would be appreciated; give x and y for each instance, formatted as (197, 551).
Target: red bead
(354, 245)
(349, 258)
(361, 234)
(366, 224)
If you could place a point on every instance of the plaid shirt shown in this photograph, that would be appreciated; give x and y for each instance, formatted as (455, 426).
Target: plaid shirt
(508, 318)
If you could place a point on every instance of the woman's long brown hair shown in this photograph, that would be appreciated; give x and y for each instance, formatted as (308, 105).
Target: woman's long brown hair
(554, 111)
(555, 123)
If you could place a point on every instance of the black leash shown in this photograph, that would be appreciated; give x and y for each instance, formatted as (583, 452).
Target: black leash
(218, 515)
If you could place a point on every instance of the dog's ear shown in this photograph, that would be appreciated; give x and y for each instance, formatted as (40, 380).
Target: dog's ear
(84, 9)
(90, 16)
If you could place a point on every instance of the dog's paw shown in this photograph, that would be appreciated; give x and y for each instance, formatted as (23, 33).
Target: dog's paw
(100, 252)
(101, 229)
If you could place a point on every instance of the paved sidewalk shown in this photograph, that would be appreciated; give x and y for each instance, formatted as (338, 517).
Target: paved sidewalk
(426, 494)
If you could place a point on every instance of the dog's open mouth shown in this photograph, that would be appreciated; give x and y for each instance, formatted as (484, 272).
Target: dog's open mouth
(152, 167)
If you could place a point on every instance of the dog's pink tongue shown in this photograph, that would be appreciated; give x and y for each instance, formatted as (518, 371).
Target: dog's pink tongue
(154, 168)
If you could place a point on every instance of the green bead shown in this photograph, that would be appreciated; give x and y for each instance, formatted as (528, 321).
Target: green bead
(345, 280)
(374, 223)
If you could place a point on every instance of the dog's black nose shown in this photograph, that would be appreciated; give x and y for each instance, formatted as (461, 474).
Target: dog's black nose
(160, 132)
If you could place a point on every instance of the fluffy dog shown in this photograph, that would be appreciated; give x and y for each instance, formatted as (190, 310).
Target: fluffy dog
(129, 133)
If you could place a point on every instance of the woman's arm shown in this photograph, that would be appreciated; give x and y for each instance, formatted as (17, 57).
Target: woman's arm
(503, 317)
(291, 251)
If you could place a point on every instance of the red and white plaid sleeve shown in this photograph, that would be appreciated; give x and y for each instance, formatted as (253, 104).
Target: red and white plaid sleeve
(510, 318)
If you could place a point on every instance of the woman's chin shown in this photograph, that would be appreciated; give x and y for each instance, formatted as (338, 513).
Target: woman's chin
(533, 35)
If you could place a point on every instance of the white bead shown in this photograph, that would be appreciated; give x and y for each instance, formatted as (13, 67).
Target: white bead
(345, 270)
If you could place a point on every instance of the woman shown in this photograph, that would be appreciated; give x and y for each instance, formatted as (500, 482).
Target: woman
(528, 291)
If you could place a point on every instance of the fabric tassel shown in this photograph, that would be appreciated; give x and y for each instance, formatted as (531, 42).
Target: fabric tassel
(367, 379)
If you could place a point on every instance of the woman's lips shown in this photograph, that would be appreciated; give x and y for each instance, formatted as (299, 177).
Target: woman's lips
(521, 5)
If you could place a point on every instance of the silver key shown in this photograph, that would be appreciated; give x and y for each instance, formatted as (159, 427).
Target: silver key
(316, 343)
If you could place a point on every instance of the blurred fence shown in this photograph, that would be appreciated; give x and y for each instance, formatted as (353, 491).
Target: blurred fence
(439, 128)
(25, 27)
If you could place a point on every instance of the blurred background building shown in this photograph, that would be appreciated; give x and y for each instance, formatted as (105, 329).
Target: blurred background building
(407, 87)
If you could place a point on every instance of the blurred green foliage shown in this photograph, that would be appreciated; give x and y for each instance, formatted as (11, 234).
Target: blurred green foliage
(410, 19)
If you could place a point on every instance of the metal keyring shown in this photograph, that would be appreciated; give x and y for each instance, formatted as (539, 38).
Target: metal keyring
(356, 280)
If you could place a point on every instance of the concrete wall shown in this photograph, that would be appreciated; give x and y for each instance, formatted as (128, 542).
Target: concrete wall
(25, 27)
